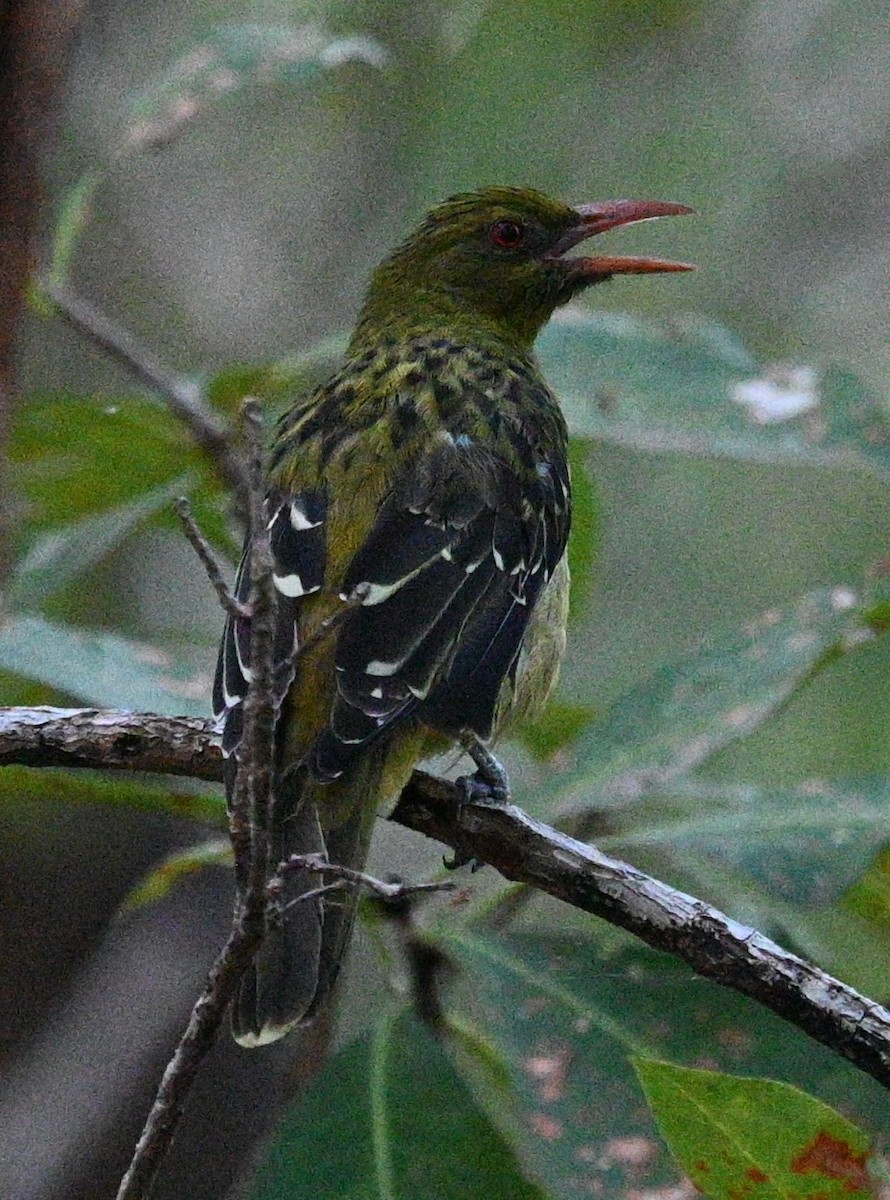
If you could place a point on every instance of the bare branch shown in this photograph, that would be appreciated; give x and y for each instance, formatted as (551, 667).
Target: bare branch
(181, 1071)
(201, 547)
(251, 798)
(718, 948)
(183, 398)
(101, 740)
(250, 808)
(526, 850)
(344, 876)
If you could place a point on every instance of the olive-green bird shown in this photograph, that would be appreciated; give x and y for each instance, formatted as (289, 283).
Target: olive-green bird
(428, 482)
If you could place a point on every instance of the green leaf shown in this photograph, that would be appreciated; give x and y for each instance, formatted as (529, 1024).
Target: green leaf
(688, 387)
(102, 668)
(876, 600)
(566, 1016)
(279, 382)
(806, 843)
(689, 709)
(869, 896)
(390, 1118)
(161, 880)
(739, 1137)
(230, 58)
(21, 786)
(57, 557)
(271, 383)
(104, 454)
(227, 60)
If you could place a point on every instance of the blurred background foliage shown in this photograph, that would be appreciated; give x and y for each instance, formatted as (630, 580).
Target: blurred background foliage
(225, 178)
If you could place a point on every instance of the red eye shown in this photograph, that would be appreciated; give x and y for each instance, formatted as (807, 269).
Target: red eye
(507, 234)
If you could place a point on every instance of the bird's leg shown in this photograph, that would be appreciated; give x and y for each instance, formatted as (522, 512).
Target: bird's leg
(487, 785)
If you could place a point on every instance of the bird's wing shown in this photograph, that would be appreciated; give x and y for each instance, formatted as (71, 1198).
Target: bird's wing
(449, 573)
(298, 544)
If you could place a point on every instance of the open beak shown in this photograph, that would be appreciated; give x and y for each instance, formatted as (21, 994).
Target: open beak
(609, 214)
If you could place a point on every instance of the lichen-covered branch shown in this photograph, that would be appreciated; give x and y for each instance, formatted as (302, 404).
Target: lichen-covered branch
(100, 739)
(528, 851)
(522, 849)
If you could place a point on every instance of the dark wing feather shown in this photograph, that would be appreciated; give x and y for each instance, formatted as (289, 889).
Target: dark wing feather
(297, 540)
(451, 569)
(526, 548)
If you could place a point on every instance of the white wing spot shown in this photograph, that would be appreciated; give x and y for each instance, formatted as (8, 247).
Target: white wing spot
(378, 592)
(292, 586)
(376, 667)
(299, 520)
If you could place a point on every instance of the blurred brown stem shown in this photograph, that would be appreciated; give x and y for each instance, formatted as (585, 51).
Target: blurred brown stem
(34, 39)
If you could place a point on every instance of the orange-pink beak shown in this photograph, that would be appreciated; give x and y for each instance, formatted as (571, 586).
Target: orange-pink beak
(609, 214)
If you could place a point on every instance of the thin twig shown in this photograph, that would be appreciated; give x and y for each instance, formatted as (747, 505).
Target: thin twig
(380, 887)
(183, 397)
(232, 605)
(251, 803)
(527, 851)
(181, 1071)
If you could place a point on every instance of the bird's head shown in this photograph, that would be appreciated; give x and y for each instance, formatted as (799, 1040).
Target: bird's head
(498, 259)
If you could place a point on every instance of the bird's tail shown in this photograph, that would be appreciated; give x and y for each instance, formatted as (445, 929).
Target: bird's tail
(297, 964)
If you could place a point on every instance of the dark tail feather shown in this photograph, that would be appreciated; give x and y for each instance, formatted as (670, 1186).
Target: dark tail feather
(299, 960)
(280, 985)
(347, 845)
